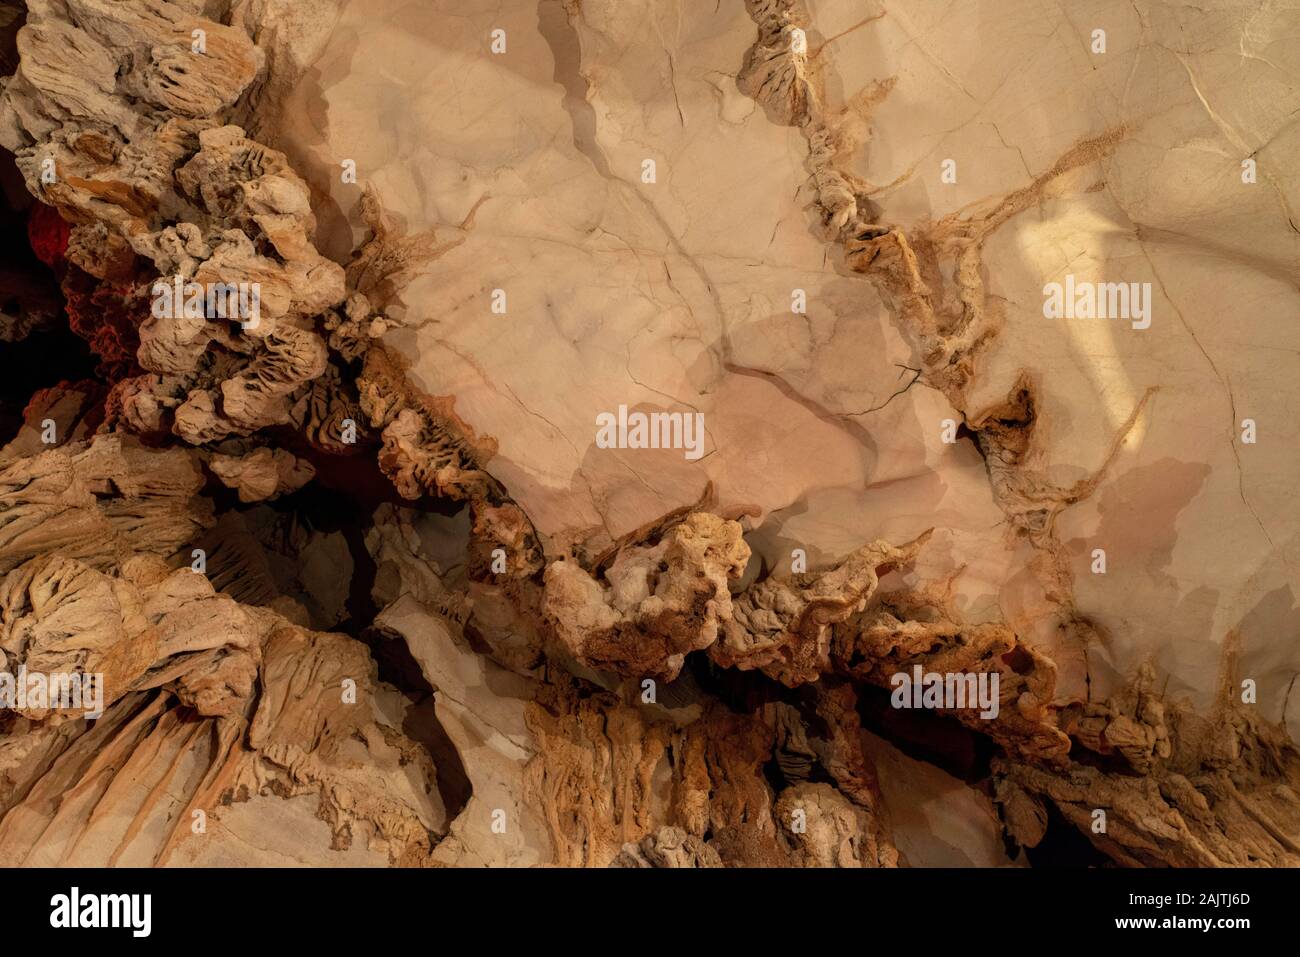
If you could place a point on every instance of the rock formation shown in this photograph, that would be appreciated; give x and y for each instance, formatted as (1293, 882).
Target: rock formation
(776, 433)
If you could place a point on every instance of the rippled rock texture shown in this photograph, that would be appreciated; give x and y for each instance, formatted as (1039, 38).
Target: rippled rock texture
(644, 433)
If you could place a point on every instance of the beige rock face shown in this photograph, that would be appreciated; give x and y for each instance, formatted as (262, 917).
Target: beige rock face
(636, 392)
(262, 474)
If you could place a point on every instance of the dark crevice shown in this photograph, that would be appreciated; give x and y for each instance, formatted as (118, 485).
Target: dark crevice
(1063, 845)
(927, 736)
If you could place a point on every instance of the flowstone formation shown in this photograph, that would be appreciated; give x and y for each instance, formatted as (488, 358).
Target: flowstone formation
(777, 433)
